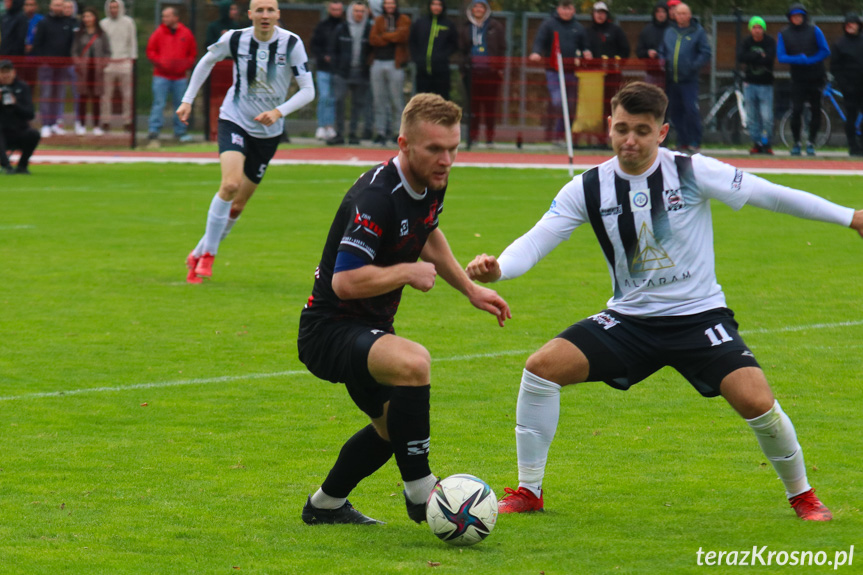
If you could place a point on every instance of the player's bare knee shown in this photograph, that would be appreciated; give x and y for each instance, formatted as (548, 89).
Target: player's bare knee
(229, 188)
(416, 368)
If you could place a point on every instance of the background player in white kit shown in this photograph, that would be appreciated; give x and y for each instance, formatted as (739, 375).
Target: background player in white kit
(650, 211)
(251, 119)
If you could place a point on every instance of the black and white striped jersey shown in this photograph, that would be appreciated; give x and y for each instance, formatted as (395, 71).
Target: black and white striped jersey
(261, 79)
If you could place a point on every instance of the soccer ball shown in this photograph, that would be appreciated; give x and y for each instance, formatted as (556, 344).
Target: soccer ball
(461, 510)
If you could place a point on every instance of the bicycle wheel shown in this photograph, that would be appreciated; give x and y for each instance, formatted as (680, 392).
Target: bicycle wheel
(823, 133)
(733, 133)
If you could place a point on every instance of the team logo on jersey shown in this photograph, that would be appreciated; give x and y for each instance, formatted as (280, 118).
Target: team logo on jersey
(263, 55)
(404, 229)
(365, 222)
(639, 200)
(281, 59)
(431, 219)
(651, 255)
(673, 200)
(737, 181)
(237, 139)
(553, 208)
(606, 320)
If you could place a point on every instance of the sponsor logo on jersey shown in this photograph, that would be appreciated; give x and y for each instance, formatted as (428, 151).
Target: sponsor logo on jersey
(639, 200)
(404, 229)
(237, 139)
(737, 181)
(364, 222)
(615, 211)
(606, 320)
(673, 200)
(651, 255)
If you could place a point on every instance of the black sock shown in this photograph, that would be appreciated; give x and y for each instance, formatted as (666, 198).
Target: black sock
(361, 455)
(409, 429)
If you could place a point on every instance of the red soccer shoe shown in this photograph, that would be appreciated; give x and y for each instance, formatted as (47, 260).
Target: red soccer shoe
(192, 263)
(521, 501)
(205, 265)
(809, 507)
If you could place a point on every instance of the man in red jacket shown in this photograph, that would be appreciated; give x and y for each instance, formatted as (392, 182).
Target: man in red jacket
(172, 50)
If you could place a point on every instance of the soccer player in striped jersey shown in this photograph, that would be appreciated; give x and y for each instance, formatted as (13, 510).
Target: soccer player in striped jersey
(650, 210)
(251, 119)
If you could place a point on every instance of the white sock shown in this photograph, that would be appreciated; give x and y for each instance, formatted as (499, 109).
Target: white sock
(536, 415)
(778, 441)
(323, 501)
(199, 249)
(418, 491)
(217, 220)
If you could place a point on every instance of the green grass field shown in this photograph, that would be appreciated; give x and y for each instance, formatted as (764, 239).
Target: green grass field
(149, 426)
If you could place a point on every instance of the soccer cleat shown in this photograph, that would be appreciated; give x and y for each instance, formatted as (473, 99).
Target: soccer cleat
(192, 263)
(810, 149)
(795, 151)
(809, 508)
(416, 511)
(346, 514)
(521, 501)
(204, 267)
(756, 149)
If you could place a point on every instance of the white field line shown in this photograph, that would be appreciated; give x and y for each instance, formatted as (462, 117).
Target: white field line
(230, 378)
(108, 159)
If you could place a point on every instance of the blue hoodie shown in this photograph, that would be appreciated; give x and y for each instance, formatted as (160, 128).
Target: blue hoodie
(685, 51)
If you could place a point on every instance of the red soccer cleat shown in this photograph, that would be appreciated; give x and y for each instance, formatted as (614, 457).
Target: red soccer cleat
(521, 501)
(192, 263)
(205, 265)
(809, 507)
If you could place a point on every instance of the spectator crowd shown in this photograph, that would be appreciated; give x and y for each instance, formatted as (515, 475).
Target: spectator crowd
(360, 55)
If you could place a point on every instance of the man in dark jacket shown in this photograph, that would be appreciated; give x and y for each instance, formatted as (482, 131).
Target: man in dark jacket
(846, 64)
(349, 58)
(13, 29)
(685, 50)
(757, 52)
(804, 47)
(483, 43)
(604, 37)
(651, 35)
(319, 48)
(573, 46)
(433, 40)
(53, 39)
(16, 111)
(229, 19)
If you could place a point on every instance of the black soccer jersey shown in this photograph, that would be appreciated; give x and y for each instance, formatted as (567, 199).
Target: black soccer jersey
(383, 222)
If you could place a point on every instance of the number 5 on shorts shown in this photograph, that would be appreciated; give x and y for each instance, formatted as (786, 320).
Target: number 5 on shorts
(261, 171)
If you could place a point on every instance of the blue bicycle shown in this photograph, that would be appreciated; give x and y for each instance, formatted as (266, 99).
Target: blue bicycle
(829, 97)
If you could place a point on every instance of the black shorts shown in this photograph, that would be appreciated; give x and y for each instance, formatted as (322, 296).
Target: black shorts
(623, 350)
(258, 151)
(338, 351)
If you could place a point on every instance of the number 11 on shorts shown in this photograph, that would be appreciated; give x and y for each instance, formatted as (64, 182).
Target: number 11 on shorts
(719, 331)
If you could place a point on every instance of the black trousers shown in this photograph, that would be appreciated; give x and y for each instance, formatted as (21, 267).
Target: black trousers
(853, 107)
(800, 94)
(24, 140)
(433, 83)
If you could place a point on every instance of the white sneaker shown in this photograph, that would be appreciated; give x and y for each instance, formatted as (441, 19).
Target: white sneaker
(97, 131)
(330, 132)
(45, 132)
(321, 133)
(80, 129)
(57, 130)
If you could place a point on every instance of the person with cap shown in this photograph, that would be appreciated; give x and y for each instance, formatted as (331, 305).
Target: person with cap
(846, 65)
(605, 38)
(432, 42)
(803, 46)
(757, 53)
(573, 46)
(672, 9)
(483, 42)
(651, 35)
(16, 111)
(684, 50)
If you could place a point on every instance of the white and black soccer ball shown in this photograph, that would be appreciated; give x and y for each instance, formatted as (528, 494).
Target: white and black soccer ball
(461, 510)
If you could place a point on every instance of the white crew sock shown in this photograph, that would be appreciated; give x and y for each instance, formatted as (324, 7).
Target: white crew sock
(418, 491)
(536, 415)
(323, 501)
(199, 249)
(778, 441)
(217, 221)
